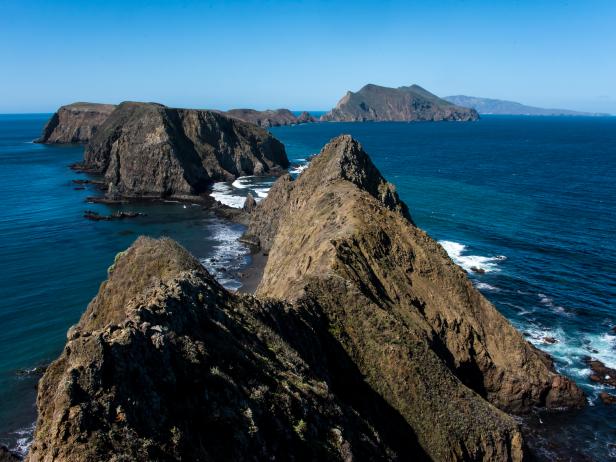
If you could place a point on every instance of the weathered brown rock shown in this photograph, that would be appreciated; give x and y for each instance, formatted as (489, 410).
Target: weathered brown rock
(250, 203)
(601, 373)
(403, 311)
(75, 123)
(270, 118)
(165, 364)
(408, 104)
(607, 398)
(149, 150)
(364, 342)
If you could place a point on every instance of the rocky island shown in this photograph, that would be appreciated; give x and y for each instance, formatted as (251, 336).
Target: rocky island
(364, 341)
(270, 118)
(150, 150)
(373, 103)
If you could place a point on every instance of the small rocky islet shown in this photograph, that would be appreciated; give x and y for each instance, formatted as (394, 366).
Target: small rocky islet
(363, 340)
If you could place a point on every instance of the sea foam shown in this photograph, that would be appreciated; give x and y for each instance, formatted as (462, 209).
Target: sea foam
(456, 251)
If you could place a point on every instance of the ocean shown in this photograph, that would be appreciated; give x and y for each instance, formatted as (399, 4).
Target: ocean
(530, 202)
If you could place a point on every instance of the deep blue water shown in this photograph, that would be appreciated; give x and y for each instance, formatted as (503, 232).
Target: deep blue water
(530, 200)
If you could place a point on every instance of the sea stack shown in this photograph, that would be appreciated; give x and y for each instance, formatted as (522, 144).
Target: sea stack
(364, 341)
(75, 123)
(150, 150)
(373, 103)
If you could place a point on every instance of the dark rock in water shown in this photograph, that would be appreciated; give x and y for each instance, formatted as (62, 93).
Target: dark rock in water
(601, 373)
(119, 215)
(305, 117)
(270, 118)
(250, 203)
(364, 341)
(477, 270)
(413, 103)
(149, 150)
(607, 398)
(75, 123)
(32, 372)
(79, 188)
(7, 456)
(550, 340)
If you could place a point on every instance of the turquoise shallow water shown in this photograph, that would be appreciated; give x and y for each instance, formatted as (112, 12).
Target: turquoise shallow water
(532, 201)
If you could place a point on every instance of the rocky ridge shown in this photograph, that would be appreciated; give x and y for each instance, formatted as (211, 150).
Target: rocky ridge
(150, 150)
(364, 342)
(270, 118)
(374, 103)
(75, 123)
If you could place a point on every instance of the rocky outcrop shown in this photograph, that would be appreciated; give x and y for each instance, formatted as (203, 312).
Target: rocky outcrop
(270, 118)
(165, 364)
(364, 342)
(408, 104)
(146, 149)
(75, 123)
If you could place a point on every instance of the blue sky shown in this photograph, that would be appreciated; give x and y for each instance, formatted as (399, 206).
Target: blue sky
(304, 55)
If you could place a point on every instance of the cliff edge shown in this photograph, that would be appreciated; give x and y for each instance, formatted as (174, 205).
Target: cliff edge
(150, 150)
(75, 123)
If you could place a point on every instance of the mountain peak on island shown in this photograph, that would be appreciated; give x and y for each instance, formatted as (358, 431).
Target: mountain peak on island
(408, 104)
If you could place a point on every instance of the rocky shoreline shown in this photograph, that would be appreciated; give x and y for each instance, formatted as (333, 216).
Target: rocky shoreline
(363, 340)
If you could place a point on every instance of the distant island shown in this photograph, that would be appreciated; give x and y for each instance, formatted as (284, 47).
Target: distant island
(374, 103)
(503, 107)
(270, 118)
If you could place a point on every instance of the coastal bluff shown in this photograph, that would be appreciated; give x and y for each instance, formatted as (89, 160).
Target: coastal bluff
(150, 150)
(374, 103)
(75, 123)
(363, 341)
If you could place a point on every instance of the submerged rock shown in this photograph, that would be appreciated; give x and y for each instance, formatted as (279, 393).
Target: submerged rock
(364, 342)
(408, 104)
(75, 123)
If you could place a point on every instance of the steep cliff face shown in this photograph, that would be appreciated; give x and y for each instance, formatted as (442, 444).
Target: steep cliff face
(270, 118)
(406, 314)
(75, 123)
(409, 104)
(364, 342)
(165, 364)
(146, 149)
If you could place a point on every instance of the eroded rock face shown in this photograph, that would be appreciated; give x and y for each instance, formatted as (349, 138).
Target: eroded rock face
(270, 118)
(404, 312)
(408, 104)
(75, 123)
(146, 149)
(364, 342)
(165, 364)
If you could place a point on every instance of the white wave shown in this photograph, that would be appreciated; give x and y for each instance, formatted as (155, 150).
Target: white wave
(241, 182)
(486, 286)
(227, 256)
(223, 193)
(549, 302)
(24, 440)
(299, 168)
(455, 250)
(261, 192)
